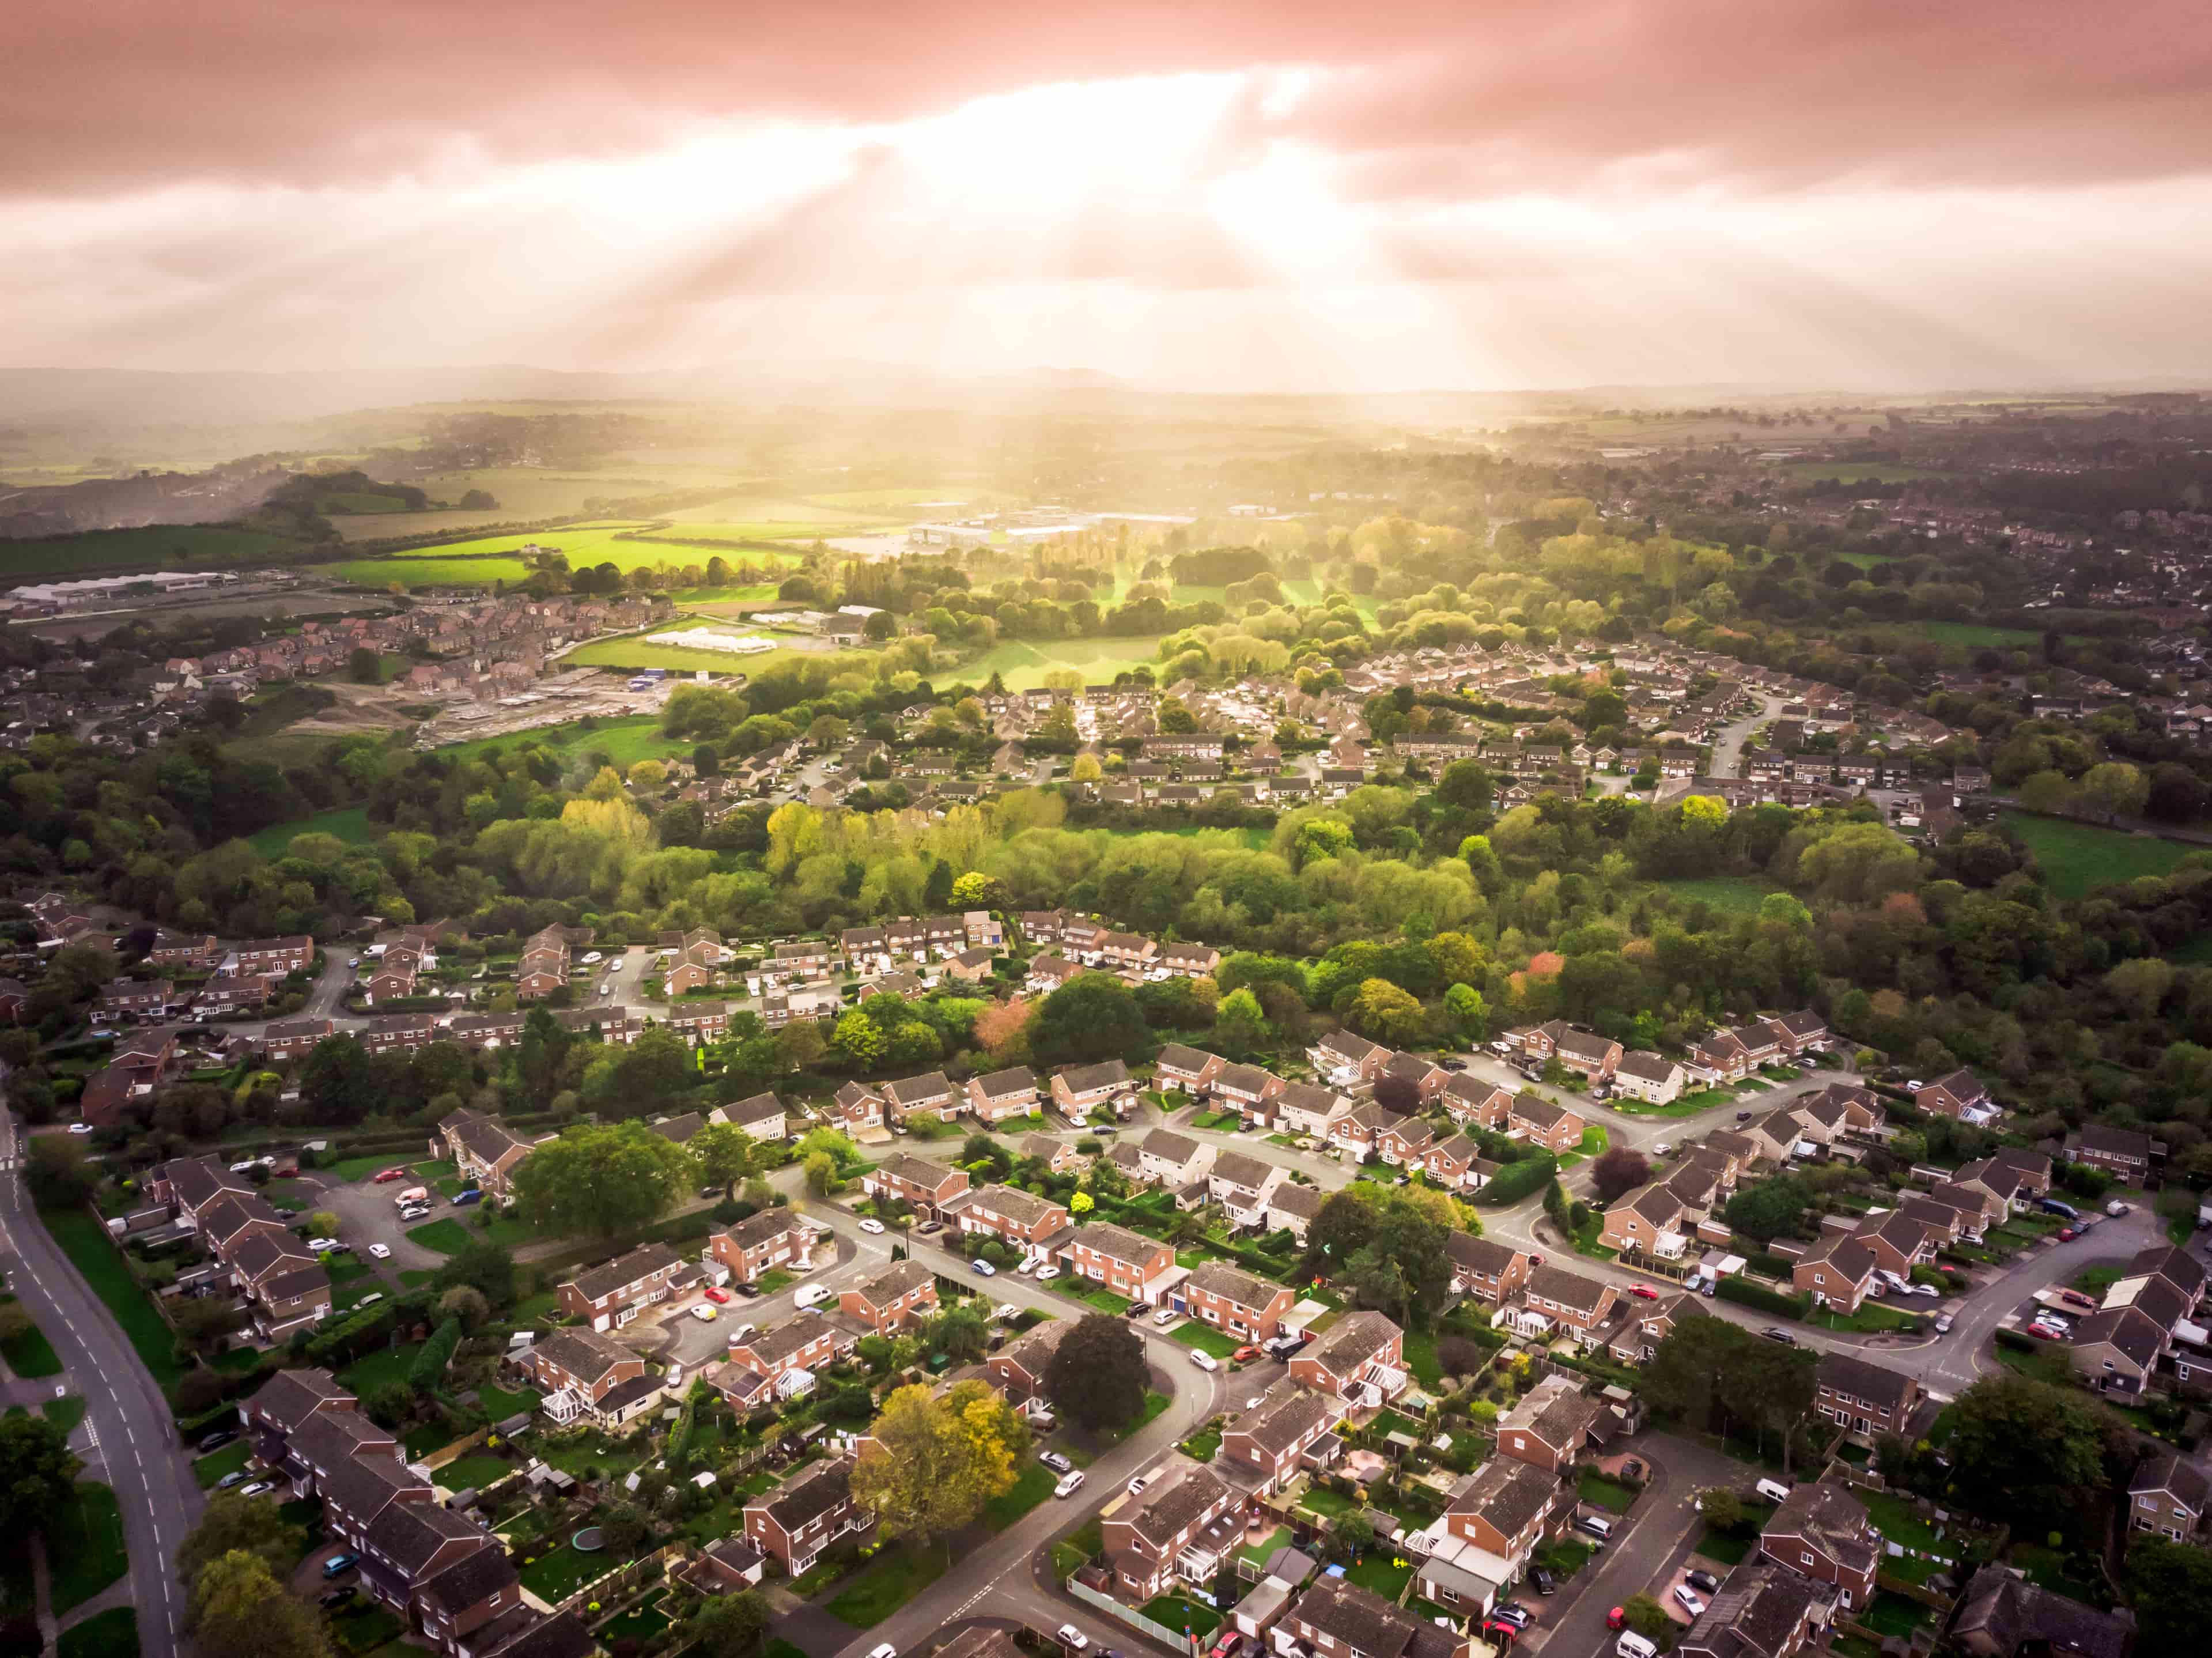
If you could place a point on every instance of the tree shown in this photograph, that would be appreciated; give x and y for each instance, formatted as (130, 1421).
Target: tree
(322, 1223)
(1340, 1229)
(483, 1267)
(1767, 1209)
(1240, 1027)
(961, 1331)
(821, 1170)
(1002, 1028)
(1721, 1508)
(860, 1039)
(724, 1151)
(1469, 1015)
(364, 666)
(37, 1475)
(1648, 1618)
(1382, 1011)
(338, 1085)
(934, 1463)
(728, 1626)
(58, 1172)
(2023, 1451)
(1619, 1171)
(201, 1325)
(238, 1606)
(1092, 1017)
(2170, 1585)
(232, 1524)
(601, 1181)
(466, 1304)
(1098, 1375)
(2115, 789)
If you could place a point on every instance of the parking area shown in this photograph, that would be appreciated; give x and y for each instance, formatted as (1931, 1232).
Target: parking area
(367, 1215)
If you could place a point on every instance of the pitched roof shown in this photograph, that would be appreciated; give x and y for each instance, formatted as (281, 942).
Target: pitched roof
(1352, 1341)
(1024, 1208)
(587, 1355)
(894, 1281)
(1234, 1284)
(625, 1270)
(1506, 1494)
(1556, 1283)
(1848, 1373)
(1827, 1516)
(1169, 1509)
(1168, 1146)
(810, 1495)
(1118, 1243)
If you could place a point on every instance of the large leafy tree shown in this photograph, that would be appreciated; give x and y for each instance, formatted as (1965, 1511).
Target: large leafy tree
(1092, 1017)
(724, 1153)
(1719, 1376)
(935, 1462)
(1385, 1013)
(481, 1265)
(2171, 1587)
(1619, 1171)
(601, 1181)
(1402, 1269)
(37, 1473)
(238, 1606)
(338, 1083)
(1097, 1376)
(232, 1524)
(728, 1626)
(2023, 1451)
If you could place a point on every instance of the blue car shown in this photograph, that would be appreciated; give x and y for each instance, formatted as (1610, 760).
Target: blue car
(983, 1268)
(339, 1564)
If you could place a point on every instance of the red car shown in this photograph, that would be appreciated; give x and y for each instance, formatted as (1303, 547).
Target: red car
(1501, 1633)
(391, 1174)
(716, 1296)
(286, 1171)
(1643, 1291)
(1534, 1259)
(1617, 1619)
(1243, 1354)
(2067, 1234)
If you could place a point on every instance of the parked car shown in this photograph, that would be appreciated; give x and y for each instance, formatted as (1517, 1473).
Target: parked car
(1943, 1325)
(217, 1440)
(390, 1174)
(1662, 1148)
(339, 1564)
(1072, 1639)
(1136, 1309)
(1166, 1316)
(982, 1269)
(331, 1598)
(2076, 1298)
(1514, 1612)
(930, 1228)
(1451, 1064)
(705, 1314)
(473, 1194)
(748, 1290)
(1617, 1619)
(1045, 1273)
(79, 1128)
(1643, 1292)
(886, 1650)
(1227, 1646)
(1704, 1582)
(717, 1294)
(285, 1170)
(869, 1224)
(369, 1300)
(1244, 1355)
(2067, 1234)
(231, 1479)
(1204, 1360)
(1688, 1597)
(1775, 1332)
(1138, 1484)
(1499, 1633)
(2053, 1206)
(1057, 1462)
(1545, 1582)
(380, 1252)
(1745, 1116)
(318, 1244)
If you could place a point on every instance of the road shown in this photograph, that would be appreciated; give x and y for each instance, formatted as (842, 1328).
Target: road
(1728, 742)
(150, 1474)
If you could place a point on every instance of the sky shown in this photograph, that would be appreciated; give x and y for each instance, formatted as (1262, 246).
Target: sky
(1490, 194)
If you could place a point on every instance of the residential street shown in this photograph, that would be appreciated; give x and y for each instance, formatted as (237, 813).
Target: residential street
(150, 1474)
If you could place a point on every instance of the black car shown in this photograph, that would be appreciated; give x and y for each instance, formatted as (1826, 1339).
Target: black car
(749, 1291)
(333, 1597)
(1773, 1332)
(1744, 1116)
(1545, 1582)
(1452, 1065)
(1703, 1581)
(217, 1440)
(1136, 1309)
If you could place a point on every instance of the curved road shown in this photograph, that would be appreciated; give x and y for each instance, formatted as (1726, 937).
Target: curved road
(150, 1472)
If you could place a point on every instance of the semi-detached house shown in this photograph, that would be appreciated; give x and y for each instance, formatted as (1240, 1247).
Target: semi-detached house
(795, 1522)
(1236, 1302)
(1146, 1538)
(611, 1296)
(903, 1293)
(928, 1188)
(1025, 1221)
(590, 1376)
(1360, 1359)
(1128, 1263)
(770, 1239)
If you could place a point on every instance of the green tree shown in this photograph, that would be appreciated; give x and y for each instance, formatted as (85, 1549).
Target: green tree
(1092, 1017)
(961, 1331)
(821, 1170)
(1469, 1015)
(237, 1605)
(2023, 1451)
(1240, 1028)
(933, 1464)
(338, 1085)
(364, 666)
(724, 1153)
(2170, 1586)
(1382, 1011)
(728, 1626)
(232, 1524)
(601, 1181)
(538, 1056)
(860, 1039)
(58, 1172)
(1098, 1375)
(481, 1265)
(1768, 1209)
(37, 1473)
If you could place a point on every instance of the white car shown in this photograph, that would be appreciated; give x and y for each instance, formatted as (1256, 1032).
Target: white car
(1026, 1268)
(590, 956)
(250, 1164)
(743, 1332)
(1166, 1316)
(1006, 1310)
(1663, 1147)
(318, 1244)
(257, 1488)
(704, 1313)
(366, 1301)
(1070, 1482)
(1688, 1597)
(1139, 1484)
(380, 1252)
(1045, 1272)
(1073, 1638)
(886, 1650)
(870, 1223)
(79, 1128)
(1204, 1360)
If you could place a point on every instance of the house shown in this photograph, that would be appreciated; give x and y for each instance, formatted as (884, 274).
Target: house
(1649, 1078)
(904, 1293)
(1347, 1059)
(1583, 1052)
(1174, 1160)
(1899, 1242)
(1503, 1513)
(1186, 1070)
(1456, 1164)
(1636, 1220)
(928, 1096)
(1019, 1369)
(2124, 1153)
(1961, 1095)
(1338, 1619)
(1360, 1358)
(2168, 1493)
(1471, 1099)
(2003, 1616)
(1271, 1440)
(1251, 1089)
(1145, 1538)
(1292, 1207)
(1360, 1130)
(1549, 1426)
(1003, 1093)
(1057, 1155)
(1078, 1091)
(1306, 1108)
(1405, 1143)
(1128, 1263)
(806, 1342)
(609, 1296)
(1758, 1614)
(1559, 1297)
(2117, 1349)
(1837, 1268)
(1862, 1396)
(1241, 1184)
(854, 1108)
(482, 1150)
(280, 956)
(1542, 1123)
(601, 1380)
(924, 1187)
(1024, 1220)
(1486, 1268)
(1236, 1302)
(292, 1039)
(728, 1567)
(1822, 1532)
(763, 1242)
(793, 1524)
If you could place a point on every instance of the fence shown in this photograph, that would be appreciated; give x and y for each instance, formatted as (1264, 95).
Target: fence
(1174, 1640)
(452, 1453)
(625, 1576)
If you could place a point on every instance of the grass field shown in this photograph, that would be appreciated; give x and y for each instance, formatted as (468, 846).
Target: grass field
(894, 1578)
(635, 652)
(1973, 635)
(623, 741)
(84, 1546)
(801, 530)
(2078, 858)
(1855, 471)
(363, 503)
(84, 1241)
(1030, 1487)
(350, 824)
(447, 1237)
(1025, 662)
(210, 1469)
(1739, 895)
(156, 547)
(110, 1634)
(431, 572)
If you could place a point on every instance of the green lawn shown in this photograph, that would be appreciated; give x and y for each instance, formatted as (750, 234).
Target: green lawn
(110, 1634)
(624, 741)
(447, 1237)
(638, 1621)
(1024, 662)
(1205, 1338)
(155, 546)
(1257, 1553)
(346, 1170)
(362, 1626)
(1033, 1485)
(894, 1578)
(561, 1571)
(228, 1460)
(30, 1355)
(1893, 1614)
(479, 1470)
(1155, 1405)
(2078, 858)
(1895, 1518)
(1727, 1550)
(84, 1546)
(1564, 1559)
(1104, 1300)
(1329, 1505)
(350, 824)
(633, 652)
(774, 1279)
(1173, 1611)
(1381, 1572)
(1201, 1445)
(63, 1413)
(84, 1241)
(1594, 1487)
(390, 1365)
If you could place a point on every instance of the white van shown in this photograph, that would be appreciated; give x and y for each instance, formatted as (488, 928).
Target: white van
(1596, 1525)
(1632, 1645)
(812, 1295)
(414, 1194)
(1773, 1490)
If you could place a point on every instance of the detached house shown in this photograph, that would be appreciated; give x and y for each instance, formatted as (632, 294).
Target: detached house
(1489, 1271)
(2124, 1153)
(1822, 1532)
(1023, 1219)
(1271, 1441)
(1187, 1070)
(1360, 1359)
(481, 1148)
(927, 1188)
(1557, 1297)
(1836, 1268)
(1019, 1369)
(1003, 1093)
(1549, 1426)
(928, 1096)
(1236, 1302)
(1648, 1077)
(1338, 1619)
(1146, 1537)
(1085, 1088)
(1961, 1096)
(1542, 1123)
(1345, 1059)
(2168, 1493)
(1471, 1099)
(769, 1239)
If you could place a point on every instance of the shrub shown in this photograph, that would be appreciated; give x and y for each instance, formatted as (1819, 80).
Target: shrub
(1518, 1180)
(1747, 1294)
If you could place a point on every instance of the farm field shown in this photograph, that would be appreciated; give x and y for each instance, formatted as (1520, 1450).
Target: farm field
(1973, 634)
(762, 506)
(156, 546)
(485, 559)
(432, 572)
(2077, 858)
(526, 494)
(350, 824)
(1024, 662)
(769, 529)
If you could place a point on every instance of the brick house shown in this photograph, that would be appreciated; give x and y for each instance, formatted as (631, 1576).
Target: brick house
(1003, 1093)
(1549, 1426)
(610, 1295)
(1241, 1184)
(1023, 1219)
(2168, 1493)
(854, 1108)
(1236, 1302)
(1837, 1267)
(1144, 1537)
(1128, 1263)
(1018, 1370)
(1406, 1142)
(1822, 1532)
(1579, 1304)
(1542, 1123)
(1760, 1613)
(924, 1187)
(1307, 1109)
(1489, 1271)
(793, 1524)
(293, 1039)
(280, 956)
(1345, 1057)
(1456, 1164)
(1899, 1241)
(769, 1239)
(764, 1117)
(1252, 1089)
(1638, 1220)
(931, 1094)
(1862, 1397)
(1471, 1099)
(1505, 1509)
(903, 1293)
(2124, 1153)
(1186, 1070)
(1338, 1619)
(1292, 1207)
(1174, 1160)
(481, 1148)
(1085, 1088)
(606, 1382)
(805, 1342)
(1270, 1441)
(1961, 1096)
(1360, 1358)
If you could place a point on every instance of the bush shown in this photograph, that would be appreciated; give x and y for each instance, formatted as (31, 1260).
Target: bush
(1745, 1292)
(1518, 1180)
